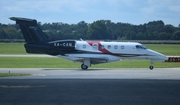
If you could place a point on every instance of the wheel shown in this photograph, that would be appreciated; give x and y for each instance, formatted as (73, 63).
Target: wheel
(151, 67)
(84, 67)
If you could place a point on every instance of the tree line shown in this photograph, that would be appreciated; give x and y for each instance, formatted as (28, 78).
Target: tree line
(99, 30)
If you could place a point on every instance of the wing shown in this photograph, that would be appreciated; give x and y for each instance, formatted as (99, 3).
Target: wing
(93, 58)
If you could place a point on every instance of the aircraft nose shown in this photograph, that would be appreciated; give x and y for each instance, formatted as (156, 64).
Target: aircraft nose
(163, 57)
(158, 55)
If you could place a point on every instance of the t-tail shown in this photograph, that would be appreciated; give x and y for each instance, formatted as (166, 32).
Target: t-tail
(33, 35)
(31, 31)
(37, 41)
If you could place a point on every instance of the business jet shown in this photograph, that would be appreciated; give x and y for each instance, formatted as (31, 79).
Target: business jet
(86, 52)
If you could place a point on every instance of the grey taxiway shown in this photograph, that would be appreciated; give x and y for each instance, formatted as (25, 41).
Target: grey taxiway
(102, 73)
(49, 86)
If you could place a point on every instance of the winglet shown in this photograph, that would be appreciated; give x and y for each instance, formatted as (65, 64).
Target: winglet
(81, 39)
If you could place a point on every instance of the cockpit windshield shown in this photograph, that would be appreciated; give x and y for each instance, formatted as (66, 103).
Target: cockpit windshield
(140, 47)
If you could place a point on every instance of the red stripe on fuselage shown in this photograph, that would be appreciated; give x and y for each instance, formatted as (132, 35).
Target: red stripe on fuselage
(100, 48)
(105, 51)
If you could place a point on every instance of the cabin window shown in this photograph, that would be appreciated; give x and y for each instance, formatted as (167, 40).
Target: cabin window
(143, 47)
(84, 46)
(122, 47)
(115, 47)
(109, 46)
(140, 47)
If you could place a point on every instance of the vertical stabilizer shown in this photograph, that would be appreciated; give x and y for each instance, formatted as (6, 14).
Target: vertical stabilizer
(30, 30)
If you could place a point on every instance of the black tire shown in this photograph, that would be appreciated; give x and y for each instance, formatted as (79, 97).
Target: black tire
(151, 67)
(84, 67)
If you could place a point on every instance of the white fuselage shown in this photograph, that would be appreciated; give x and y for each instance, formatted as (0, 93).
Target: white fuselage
(113, 51)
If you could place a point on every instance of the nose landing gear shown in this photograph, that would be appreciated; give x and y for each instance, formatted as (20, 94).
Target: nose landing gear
(151, 66)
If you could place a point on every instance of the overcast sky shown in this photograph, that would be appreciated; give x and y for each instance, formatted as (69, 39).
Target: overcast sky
(73, 11)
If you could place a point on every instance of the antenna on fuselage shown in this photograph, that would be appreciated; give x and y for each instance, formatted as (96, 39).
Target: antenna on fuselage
(81, 39)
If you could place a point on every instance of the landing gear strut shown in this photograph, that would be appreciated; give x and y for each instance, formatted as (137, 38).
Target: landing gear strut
(84, 67)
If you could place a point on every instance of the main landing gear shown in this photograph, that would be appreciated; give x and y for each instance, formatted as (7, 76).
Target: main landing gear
(86, 64)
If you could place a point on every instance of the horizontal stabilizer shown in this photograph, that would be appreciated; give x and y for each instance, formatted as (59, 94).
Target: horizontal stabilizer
(26, 21)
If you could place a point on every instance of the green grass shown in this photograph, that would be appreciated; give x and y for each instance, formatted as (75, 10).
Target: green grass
(12, 48)
(166, 49)
(20, 62)
(12, 74)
